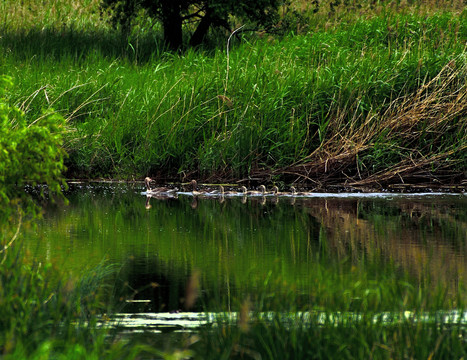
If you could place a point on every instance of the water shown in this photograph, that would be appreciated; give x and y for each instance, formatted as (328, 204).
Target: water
(241, 246)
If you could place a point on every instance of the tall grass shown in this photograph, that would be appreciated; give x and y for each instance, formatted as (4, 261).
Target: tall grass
(43, 313)
(308, 338)
(318, 106)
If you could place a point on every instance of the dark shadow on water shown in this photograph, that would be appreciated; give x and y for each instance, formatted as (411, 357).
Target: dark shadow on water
(151, 285)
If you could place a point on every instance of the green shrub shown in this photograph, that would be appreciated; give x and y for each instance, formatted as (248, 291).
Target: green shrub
(31, 152)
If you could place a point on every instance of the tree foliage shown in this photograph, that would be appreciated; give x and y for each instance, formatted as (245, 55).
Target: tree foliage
(173, 14)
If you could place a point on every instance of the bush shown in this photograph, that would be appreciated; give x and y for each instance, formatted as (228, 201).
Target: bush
(30, 152)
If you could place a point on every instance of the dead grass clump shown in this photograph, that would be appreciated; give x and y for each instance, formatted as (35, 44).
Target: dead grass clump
(419, 137)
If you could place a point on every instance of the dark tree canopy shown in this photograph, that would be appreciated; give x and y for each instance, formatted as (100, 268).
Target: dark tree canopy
(207, 13)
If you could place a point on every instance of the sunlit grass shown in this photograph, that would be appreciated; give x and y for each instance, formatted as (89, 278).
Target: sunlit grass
(50, 14)
(332, 99)
(326, 97)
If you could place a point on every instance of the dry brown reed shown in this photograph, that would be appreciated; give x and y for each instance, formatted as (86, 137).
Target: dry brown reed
(437, 107)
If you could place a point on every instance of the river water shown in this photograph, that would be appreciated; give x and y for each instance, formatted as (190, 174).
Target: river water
(233, 247)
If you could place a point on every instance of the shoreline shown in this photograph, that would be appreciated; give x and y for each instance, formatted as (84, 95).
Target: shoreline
(338, 188)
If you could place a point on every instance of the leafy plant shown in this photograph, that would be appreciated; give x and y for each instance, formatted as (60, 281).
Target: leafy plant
(31, 153)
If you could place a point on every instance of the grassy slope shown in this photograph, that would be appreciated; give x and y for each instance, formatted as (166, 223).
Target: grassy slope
(349, 101)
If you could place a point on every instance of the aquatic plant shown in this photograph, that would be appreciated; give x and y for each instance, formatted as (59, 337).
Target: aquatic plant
(327, 335)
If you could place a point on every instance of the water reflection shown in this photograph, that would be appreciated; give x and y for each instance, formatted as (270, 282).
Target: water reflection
(425, 236)
(237, 242)
(147, 284)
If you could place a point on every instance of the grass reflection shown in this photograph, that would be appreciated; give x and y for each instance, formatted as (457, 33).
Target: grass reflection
(330, 252)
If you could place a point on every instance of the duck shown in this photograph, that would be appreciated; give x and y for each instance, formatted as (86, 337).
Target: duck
(194, 190)
(275, 190)
(219, 191)
(158, 191)
(262, 191)
(222, 191)
(299, 193)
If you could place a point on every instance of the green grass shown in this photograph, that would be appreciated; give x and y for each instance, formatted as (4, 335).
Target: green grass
(43, 312)
(353, 96)
(345, 340)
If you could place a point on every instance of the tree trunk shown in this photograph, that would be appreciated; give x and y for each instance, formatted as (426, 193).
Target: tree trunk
(201, 30)
(208, 20)
(172, 24)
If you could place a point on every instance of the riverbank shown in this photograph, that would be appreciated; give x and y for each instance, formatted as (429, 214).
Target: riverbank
(370, 101)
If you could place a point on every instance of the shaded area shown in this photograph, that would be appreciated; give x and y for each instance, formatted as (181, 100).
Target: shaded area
(145, 284)
(68, 44)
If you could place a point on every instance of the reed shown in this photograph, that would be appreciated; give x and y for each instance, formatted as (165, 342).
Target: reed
(43, 313)
(316, 105)
(406, 328)
(325, 335)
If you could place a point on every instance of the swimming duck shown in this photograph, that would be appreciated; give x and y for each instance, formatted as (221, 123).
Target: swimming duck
(194, 190)
(299, 193)
(262, 191)
(219, 191)
(222, 191)
(275, 190)
(158, 191)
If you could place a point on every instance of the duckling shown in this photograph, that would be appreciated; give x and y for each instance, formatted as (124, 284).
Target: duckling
(219, 191)
(158, 191)
(230, 192)
(275, 191)
(295, 193)
(262, 191)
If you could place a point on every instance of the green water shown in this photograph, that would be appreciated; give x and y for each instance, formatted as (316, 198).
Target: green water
(341, 244)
